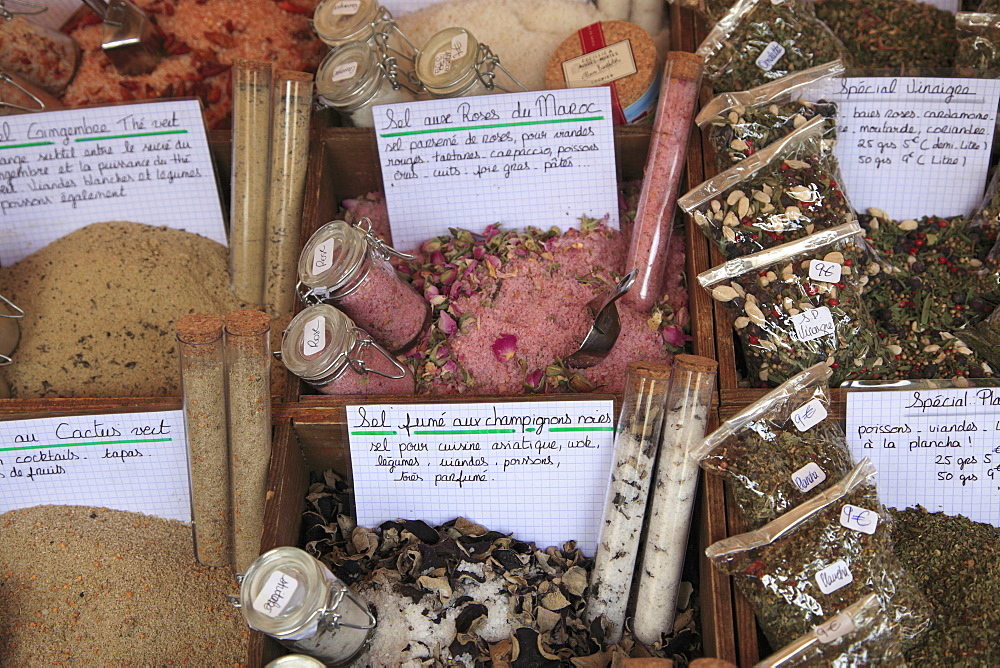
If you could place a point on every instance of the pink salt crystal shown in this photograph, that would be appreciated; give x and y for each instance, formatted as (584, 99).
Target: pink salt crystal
(387, 308)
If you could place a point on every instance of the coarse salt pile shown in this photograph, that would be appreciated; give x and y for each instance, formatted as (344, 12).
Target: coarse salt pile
(202, 39)
(509, 307)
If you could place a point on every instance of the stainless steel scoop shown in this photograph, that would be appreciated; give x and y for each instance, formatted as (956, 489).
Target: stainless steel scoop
(131, 41)
(607, 325)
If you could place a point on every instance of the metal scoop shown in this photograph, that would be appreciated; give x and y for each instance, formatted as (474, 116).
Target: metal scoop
(131, 41)
(604, 332)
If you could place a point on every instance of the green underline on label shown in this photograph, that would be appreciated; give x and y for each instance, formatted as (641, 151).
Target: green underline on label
(373, 433)
(588, 428)
(461, 432)
(137, 134)
(37, 143)
(490, 127)
(81, 445)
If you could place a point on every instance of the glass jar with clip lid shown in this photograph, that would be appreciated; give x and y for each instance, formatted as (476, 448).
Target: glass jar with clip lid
(291, 596)
(348, 266)
(453, 63)
(324, 347)
(338, 22)
(354, 77)
(41, 56)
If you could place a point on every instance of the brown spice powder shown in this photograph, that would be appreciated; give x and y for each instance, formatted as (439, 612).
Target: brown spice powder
(99, 586)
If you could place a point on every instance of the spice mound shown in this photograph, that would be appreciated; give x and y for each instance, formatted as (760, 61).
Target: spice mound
(101, 305)
(202, 39)
(93, 585)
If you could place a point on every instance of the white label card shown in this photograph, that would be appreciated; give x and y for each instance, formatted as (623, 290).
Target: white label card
(858, 519)
(937, 448)
(544, 158)
(276, 594)
(808, 477)
(63, 170)
(135, 462)
(602, 66)
(834, 576)
(323, 256)
(314, 336)
(346, 7)
(813, 323)
(824, 272)
(344, 71)
(913, 146)
(837, 627)
(809, 415)
(536, 469)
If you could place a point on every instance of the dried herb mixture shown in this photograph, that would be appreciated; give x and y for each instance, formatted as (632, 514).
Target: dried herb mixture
(892, 33)
(781, 577)
(956, 562)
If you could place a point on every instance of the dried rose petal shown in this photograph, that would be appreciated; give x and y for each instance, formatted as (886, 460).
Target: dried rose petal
(448, 325)
(505, 347)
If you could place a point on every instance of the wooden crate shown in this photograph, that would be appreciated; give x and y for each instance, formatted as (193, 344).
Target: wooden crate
(311, 434)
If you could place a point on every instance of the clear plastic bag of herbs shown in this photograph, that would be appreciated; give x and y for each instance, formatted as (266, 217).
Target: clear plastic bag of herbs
(820, 557)
(859, 635)
(905, 34)
(781, 449)
(801, 303)
(761, 40)
(740, 123)
(783, 192)
(978, 42)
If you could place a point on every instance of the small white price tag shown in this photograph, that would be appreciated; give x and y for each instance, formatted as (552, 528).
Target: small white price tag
(808, 477)
(276, 593)
(344, 71)
(771, 54)
(823, 271)
(346, 7)
(837, 627)
(314, 336)
(322, 257)
(813, 323)
(833, 577)
(809, 415)
(858, 519)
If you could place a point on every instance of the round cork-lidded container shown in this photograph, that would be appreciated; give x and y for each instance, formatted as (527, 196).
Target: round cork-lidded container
(617, 54)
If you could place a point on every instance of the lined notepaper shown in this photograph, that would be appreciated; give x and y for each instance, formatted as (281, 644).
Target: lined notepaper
(539, 470)
(142, 163)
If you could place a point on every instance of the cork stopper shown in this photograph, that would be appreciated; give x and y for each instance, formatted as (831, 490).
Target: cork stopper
(293, 76)
(695, 363)
(647, 369)
(248, 65)
(199, 328)
(685, 65)
(247, 322)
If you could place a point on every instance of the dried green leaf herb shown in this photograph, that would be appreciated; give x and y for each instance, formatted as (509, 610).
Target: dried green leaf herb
(978, 42)
(956, 562)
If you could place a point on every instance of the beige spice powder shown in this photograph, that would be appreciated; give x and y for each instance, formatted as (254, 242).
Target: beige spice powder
(104, 587)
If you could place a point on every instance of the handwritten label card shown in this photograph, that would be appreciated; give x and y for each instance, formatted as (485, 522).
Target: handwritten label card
(129, 461)
(143, 163)
(914, 146)
(539, 470)
(544, 158)
(939, 448)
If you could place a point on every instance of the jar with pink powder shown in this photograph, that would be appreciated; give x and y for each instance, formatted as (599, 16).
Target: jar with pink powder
(347, 266)
(323, 347)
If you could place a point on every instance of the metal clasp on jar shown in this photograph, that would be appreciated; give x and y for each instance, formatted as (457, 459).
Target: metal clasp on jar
(356, 359)
(383, 31)
(30, 8)
(486, 65)
(7, 79)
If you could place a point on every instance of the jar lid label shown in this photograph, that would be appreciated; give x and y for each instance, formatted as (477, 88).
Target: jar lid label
(445, 57)
(322, 257)
(346, 7)
(314, 336)
(276, 594)
(344, 71)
